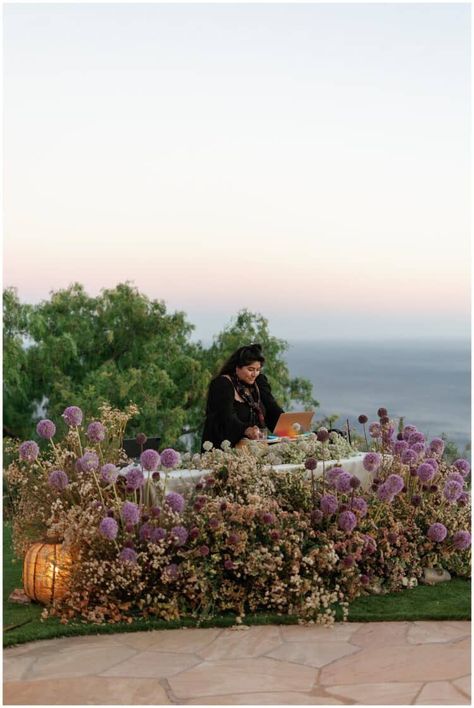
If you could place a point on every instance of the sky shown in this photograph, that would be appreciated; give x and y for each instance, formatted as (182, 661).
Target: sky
(308, 162)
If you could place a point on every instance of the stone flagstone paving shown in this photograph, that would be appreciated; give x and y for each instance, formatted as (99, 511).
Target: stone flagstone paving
(401, 663)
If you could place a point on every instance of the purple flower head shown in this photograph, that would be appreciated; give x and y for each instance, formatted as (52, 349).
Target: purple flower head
(145, 532)
(409, 457)
(155, 511)
(96, 432)
(268, 518)
(416, 437)
(343, 482)
(229, 564)
(364, 579)
(431, 461)
(157, 534)
(150, 460)
(175, 502)
(462, 466)
(109, 473)
(456, 477)
(418, 448)
(347, 521)
(394, 483)
(400, 446)
(452, 491)
(89, 462)
(214, 523)
(46, 429)
(28, 451)
(370, 544)
(462, 540)
(130, 513)
(464, 498)
(204, 551)
(328, 504)
(234, 539)
(355, 482)
(408, 430)
(108, 527)
(375, 430)
(333, 474)
(171, 572)
(384, 493)
(316, 516)
(437, 446)
(73, 416)
(348, 561)
(311, 463)
(425, 472)
(128, 555)
(135, 478)
(58, 479)
(170, 458)
(179, 535)
(437, 532)
(360, 505)
(372, 461)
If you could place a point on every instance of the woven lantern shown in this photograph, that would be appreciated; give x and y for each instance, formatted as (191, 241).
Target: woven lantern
(46, 571)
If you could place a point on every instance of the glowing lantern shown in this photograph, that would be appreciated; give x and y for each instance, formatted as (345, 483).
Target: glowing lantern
(46, 571)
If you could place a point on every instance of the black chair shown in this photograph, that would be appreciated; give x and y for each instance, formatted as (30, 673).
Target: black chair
(134, 449)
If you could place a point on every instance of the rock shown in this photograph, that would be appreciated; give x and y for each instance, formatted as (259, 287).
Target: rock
(432, 576)
(18, 596)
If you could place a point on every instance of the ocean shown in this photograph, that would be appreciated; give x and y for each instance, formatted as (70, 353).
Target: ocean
(426, 382)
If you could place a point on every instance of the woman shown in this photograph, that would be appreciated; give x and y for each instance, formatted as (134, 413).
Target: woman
(238, 407)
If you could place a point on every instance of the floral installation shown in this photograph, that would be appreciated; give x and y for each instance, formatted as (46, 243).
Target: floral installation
(246, 537)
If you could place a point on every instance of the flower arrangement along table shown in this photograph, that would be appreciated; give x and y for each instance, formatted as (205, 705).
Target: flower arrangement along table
(244, 538)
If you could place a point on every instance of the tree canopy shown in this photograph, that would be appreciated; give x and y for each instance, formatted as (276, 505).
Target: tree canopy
(122, 347)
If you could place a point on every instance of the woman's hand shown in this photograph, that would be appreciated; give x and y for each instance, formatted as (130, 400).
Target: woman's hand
(253, 433)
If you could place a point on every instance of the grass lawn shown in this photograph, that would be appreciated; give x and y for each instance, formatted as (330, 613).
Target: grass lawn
(22, 623)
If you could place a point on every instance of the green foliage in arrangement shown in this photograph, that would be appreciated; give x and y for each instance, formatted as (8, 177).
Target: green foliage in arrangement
(118, 347)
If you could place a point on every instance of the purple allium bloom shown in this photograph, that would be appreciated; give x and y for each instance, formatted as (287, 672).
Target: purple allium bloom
(456, 477)
(130, 513)
(275, 535)
(418, 448)
(155, 511)
(316, 516)
(370, 544)
(372, 461)
(58, 479)
(135, 478)
(343, 482)
(268, 518)
(375, 430)
(347, 521)
(464, 498)
(96, 432)
(194, 533)
(437, 532)
(73, 416)
(364, 579)
(431, 461)
(89, 462)
(348, 561)
(170, 458)
(204, 551)
(311, 463)
(462, 466)
(408, 430)
(157, 534)
(179, 535)
(437, 446)
(175, 502)
(416, 437)
(333, 474)
(392, 537)
(150, 460)
(171, 572)
(425, 472)
(46, 429)
(394, 483)
(384, 493)
(109, 473)
(28, 451)
(214, 523)
(362, 419)
(462, 540)
(400, 446)
(229, 565)
(409, 457)
(355, 482)
(145, 532)
(360, 505)
(109, 528)
(128, 555)
(452, 490)
(328, 504)
(233, 539)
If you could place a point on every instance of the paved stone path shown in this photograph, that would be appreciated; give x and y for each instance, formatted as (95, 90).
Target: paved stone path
(375, 663)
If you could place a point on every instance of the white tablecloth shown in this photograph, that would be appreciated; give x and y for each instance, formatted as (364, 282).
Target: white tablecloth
(180, 480)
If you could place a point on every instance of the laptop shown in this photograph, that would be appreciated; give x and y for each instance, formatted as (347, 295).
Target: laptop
(284, 427)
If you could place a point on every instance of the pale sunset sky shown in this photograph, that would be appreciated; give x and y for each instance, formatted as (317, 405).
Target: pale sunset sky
(307, 161)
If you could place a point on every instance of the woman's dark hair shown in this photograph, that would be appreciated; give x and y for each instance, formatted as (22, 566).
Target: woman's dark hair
(242, 357)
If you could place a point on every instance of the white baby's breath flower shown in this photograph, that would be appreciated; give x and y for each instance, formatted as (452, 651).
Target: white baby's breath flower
(207, 445)
(225, 445)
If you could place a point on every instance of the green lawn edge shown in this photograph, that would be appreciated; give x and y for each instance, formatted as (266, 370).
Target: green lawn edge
(22, 623)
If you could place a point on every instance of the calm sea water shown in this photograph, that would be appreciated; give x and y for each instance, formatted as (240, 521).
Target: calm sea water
(429, 383)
